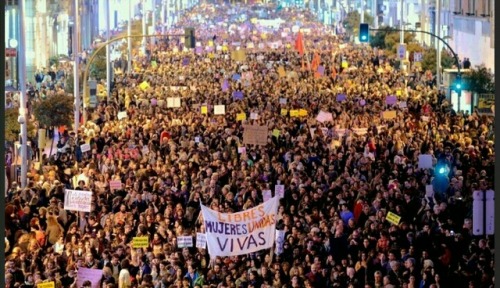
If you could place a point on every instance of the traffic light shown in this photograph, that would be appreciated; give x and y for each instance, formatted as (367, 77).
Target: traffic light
(458, 85)
(364, 33)
(189, 40)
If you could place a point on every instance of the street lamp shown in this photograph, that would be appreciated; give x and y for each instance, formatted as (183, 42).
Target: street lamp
(22, 99)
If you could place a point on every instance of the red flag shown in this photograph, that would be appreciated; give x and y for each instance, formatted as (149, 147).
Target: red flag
(315, 62)
(299, 44)
(334, 72)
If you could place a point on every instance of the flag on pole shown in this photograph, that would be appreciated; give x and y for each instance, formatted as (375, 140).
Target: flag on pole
(299, 43)
(315, 62)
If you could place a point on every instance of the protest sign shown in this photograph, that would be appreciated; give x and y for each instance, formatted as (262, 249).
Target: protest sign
(122, 115)
(173, 102)
(388, 115)
(232, 234)
(279, 190)
(50, 284)
(241, 116)
(324, 117)
(425, 161)
(184, 241)
(76, 200)
(92, 275)
(255, 134)
(201, 240)
(280, 240)
(219, 109)
(85, 147)
(115, 184)
(393, 218)
(140, 242)
(391, 100)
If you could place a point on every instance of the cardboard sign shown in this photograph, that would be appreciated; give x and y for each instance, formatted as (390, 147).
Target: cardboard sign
(140, 242)
(255, 135)
(173, 102)
(393, 218)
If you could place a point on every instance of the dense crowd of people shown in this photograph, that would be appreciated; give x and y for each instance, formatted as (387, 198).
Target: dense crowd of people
(343, 174)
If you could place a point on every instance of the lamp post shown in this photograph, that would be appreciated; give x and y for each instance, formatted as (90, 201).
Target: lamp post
(76, 70)
(108, 56)
(129, 43)
(438, 46)
(22, 86)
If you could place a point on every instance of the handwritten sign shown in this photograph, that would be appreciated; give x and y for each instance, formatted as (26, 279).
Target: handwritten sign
(232, 234)
(201, 240)
(46, 285)
(76, 200)
(115, 185)
(85, 147)
(255, 134)
(140, 242)
(279, 190)
(184, 241)
(393, 218)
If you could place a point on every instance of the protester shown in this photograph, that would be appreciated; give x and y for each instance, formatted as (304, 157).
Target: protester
(343, 172)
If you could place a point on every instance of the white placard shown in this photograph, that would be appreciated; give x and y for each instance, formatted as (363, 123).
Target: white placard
(173, 102)
(242, 150)
(85, 147)
(201, 240)
(122, 115)
(254, 116)
(197, 139)
(280, 240)
(76, 200)
(184, 241)
(219, 109)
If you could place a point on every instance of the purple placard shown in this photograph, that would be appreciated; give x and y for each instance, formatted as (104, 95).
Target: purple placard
(321, 70)
(341, 97)
(362, 102)
(391, 100)
(154, 102)
(236, 77)
(199, 50)
(238, 95)
(185, 61)
(225, 85)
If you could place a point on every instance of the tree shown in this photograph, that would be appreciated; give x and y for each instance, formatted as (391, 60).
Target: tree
(429, 60)
(353, 19)
(54, 111)
(378, 40)
(12, 126)
(480, 80)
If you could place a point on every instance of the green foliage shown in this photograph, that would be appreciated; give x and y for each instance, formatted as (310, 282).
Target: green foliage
(98, 66)
(56, 110)
(480, 80)
(13, 128)
(429, 60)
(378, 39)
(392, 40)
(53, 60)
(352, 21)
